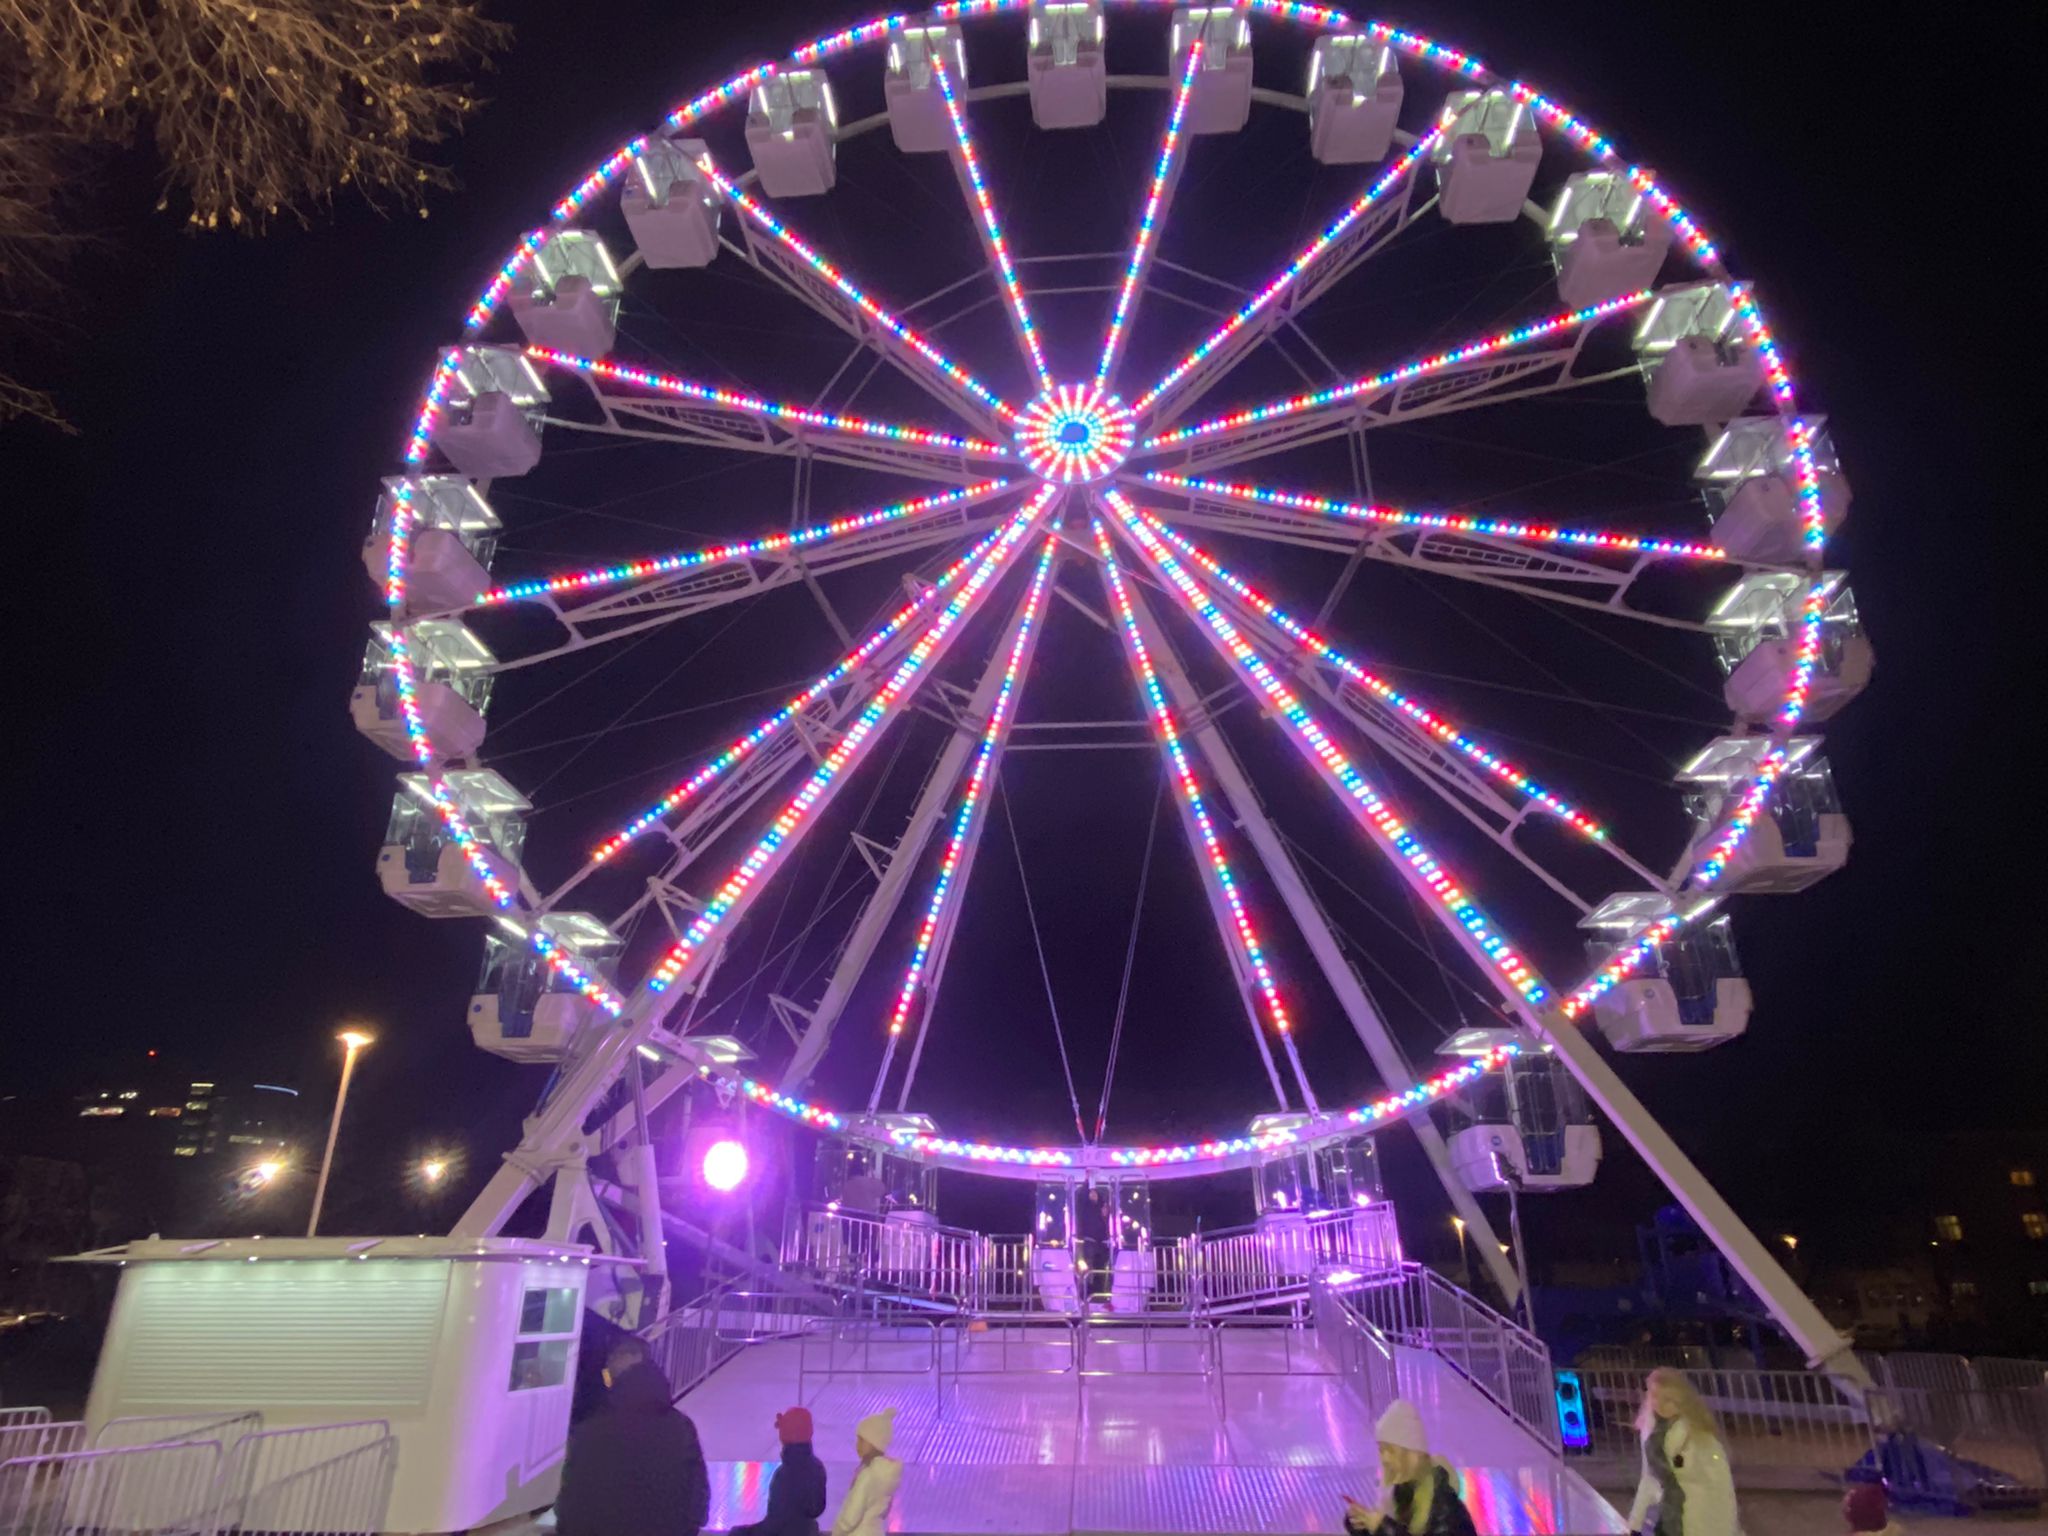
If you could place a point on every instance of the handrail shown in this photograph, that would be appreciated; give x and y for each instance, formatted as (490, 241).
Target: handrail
(1416, 1306)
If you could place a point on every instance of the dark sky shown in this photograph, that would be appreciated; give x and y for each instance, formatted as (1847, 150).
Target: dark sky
(195, 821)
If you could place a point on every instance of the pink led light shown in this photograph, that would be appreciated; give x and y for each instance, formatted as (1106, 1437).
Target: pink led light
(721, 554)
(1493, 527)
(992, 229)
(725, 1166)
(849, 747)
(1188, 786)
(977, 780)
(1074, 433)
(1428, 719)
(772, 725)
(1373, 384)
(1428, 871)
(1163, 175)
(952, 371)
(753, 405)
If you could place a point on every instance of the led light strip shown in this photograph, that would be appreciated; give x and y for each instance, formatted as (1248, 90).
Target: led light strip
(1376, 1112)
(1535, 330)
(971, 799)
(849, 747)
(754, 405)
(954, 373)
(1428, 719)
(1141, 246)
(1387, 181)
(720, 554)
(1108, 431)
(1485, 933)
(1493, 527)
(1190, 789)
(1013, 290)
(773, 724)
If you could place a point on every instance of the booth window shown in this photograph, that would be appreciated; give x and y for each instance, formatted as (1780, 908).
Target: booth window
(547, 1337)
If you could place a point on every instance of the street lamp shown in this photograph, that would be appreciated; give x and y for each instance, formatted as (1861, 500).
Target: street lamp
(1464, 1256)
(352, 1040)
(434, 1170)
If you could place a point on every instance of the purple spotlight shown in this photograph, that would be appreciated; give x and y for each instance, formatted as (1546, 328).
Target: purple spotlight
(725, 1166)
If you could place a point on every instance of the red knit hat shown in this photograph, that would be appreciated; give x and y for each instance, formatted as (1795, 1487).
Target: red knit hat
(1864, 1508)
(794, 1426)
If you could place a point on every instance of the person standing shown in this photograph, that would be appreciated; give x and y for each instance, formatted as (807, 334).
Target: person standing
(1418, 1491)
(796, 1493)
(1865, 1509)
(635, 1467)
(1686, 1488)
(865, 1510)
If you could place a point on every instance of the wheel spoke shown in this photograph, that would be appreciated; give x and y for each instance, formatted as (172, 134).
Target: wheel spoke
(1421, 716)
(956, 864)
(1519, 983)
(1395, 176)
(1215, 866)
(1596, 539)
(1172, 156)
(951, 371)
(968, 164)
(689, 952)
(550, 589)
(741, 402)
(774, 724)
(1391, 378)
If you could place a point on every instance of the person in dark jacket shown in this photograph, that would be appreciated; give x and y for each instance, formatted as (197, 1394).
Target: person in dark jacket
(796, 1493)
(1418, 1492)
(634, 1468)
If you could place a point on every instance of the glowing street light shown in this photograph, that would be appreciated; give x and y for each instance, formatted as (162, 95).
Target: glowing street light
(725, 1165)
(352, 1040)
(1464, 1255)
(266, 1172)
(1790, 1241)
(434, 1169)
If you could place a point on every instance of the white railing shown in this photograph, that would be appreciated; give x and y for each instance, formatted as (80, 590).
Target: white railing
(693, 1340)
(1416, 1306)
(144, 1490)
(1782, 1429)
(324, 1480)
(319, 1480)
(32, 1432)
(1229, 1270)
(1356, 1350)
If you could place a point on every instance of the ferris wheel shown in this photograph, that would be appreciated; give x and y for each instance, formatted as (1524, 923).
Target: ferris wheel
(964, 429)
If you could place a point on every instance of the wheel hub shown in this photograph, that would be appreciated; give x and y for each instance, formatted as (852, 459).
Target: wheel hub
(1075, 433)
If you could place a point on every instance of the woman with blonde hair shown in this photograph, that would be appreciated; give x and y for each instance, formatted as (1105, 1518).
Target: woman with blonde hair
(1418, 1491)
(1686, 1488)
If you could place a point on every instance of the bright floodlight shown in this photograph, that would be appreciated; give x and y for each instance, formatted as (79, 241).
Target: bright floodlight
(434, 1169)
(354, 1039)
(267, 1170)
(725, 1165)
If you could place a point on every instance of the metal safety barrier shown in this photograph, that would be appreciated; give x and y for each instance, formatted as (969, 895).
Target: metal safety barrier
(1416, 1306)
(1781, 1429)
(32, 1432)
(141, 1490)
(324, 1480)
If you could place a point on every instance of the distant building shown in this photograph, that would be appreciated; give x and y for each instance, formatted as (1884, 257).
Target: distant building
(1987, 1235)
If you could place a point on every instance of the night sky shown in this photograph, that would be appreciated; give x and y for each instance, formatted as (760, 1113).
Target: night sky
(195, 821)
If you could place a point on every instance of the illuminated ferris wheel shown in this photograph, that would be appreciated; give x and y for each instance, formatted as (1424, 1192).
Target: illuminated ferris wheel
(926, 466)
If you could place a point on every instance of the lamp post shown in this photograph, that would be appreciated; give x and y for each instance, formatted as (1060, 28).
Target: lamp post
(352, 1040)
(1464, 1257)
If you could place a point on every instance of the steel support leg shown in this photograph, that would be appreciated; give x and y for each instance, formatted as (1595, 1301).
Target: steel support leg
(1308, 915)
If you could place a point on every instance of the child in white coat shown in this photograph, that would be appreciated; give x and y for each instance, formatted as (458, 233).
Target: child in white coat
(1687, 1488)
(865, 1510)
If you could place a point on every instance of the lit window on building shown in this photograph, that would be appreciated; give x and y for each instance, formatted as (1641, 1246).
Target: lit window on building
(1964, 1288)
(131, 1094)
(2037, 1287)
(2022, 1178)
(184, 1151)
(1949, 1228)
(98, 1111)
(2034, 1224)
(166, 1112)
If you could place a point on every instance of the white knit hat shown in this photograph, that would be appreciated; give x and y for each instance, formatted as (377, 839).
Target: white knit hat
(1401, 1425)
(878, 1429)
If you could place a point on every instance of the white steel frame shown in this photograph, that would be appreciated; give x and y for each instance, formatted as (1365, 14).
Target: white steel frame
(654, 1023)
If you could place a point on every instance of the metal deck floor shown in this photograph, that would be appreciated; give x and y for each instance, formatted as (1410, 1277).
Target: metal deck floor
(1043, 1455)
